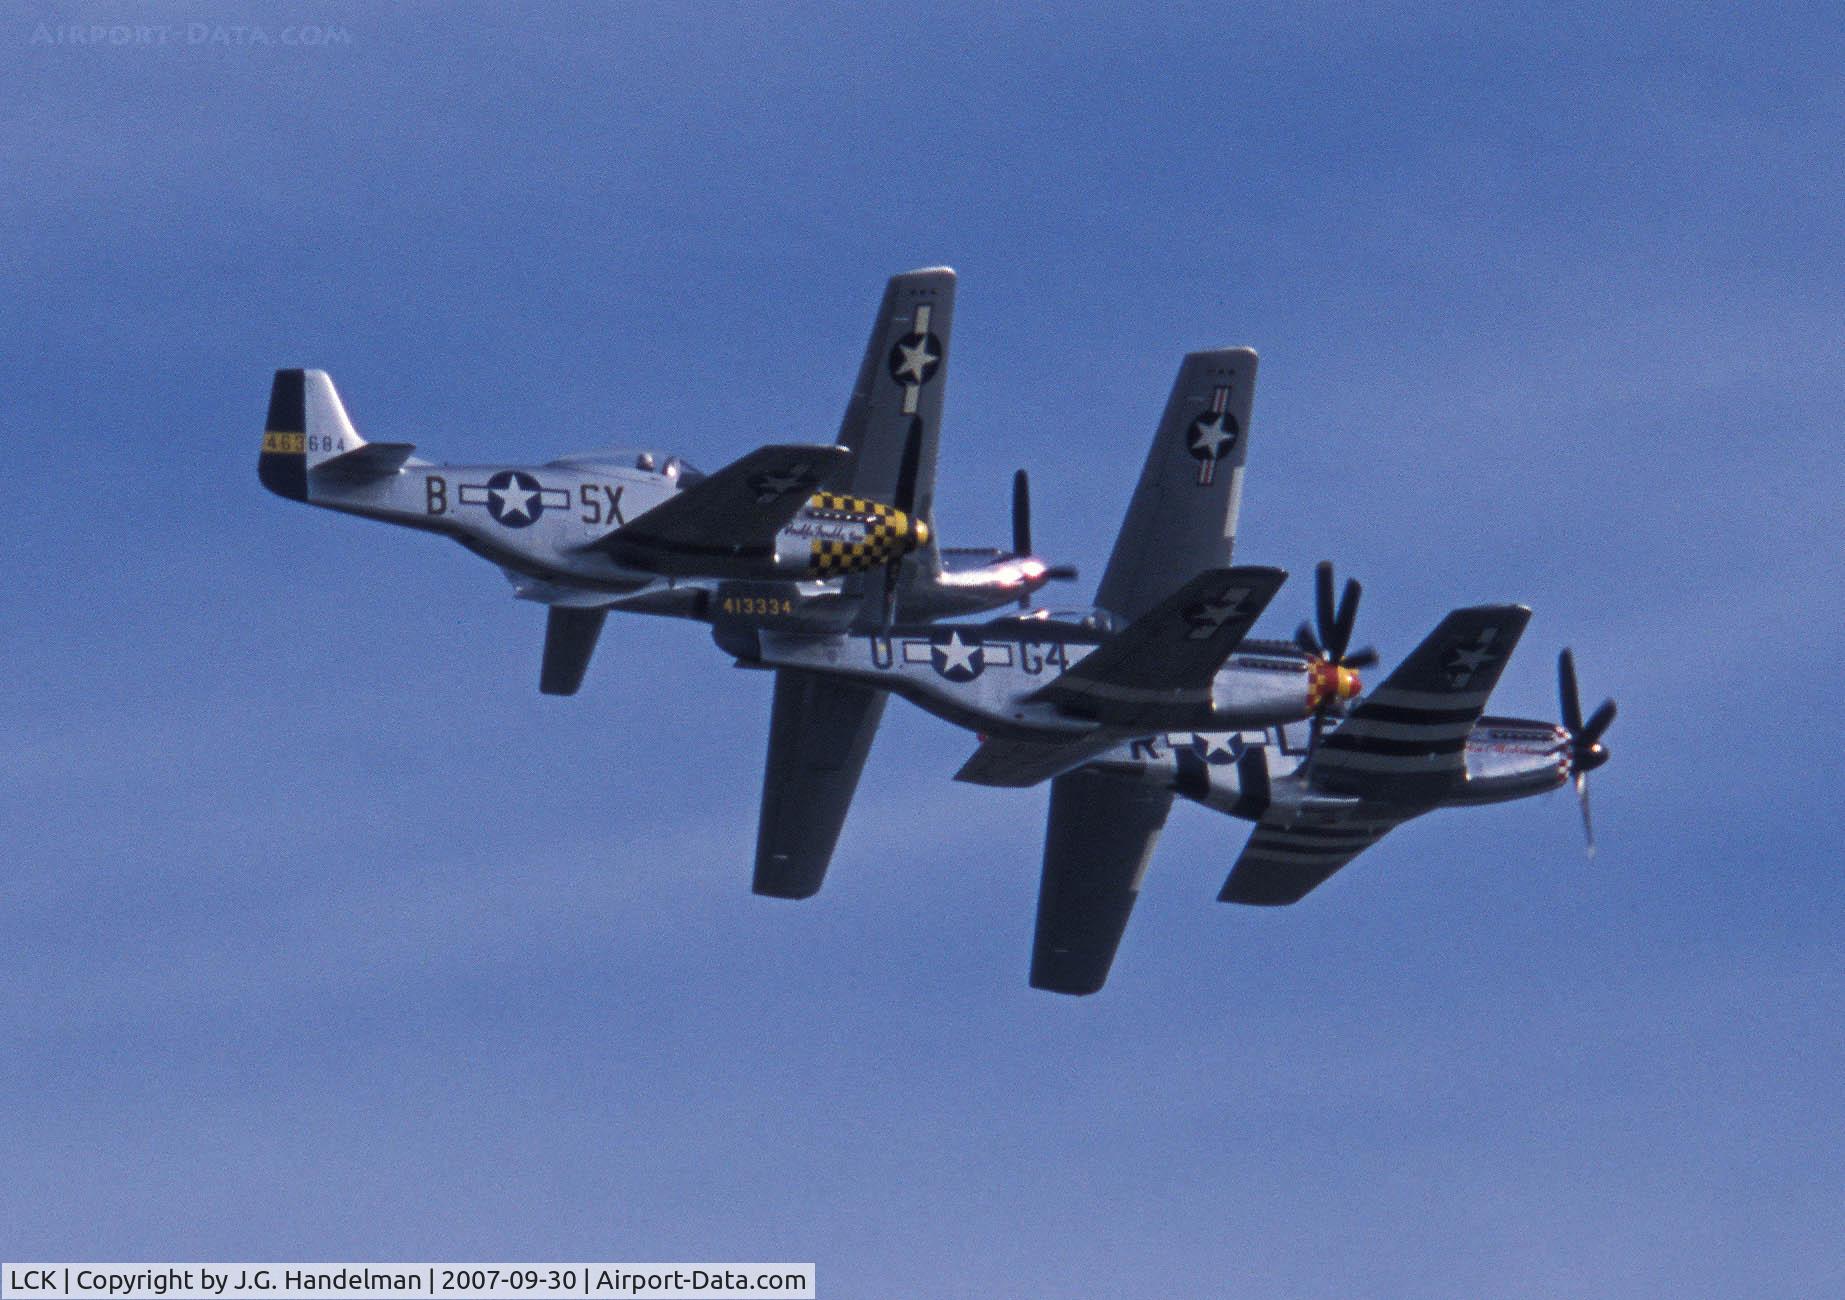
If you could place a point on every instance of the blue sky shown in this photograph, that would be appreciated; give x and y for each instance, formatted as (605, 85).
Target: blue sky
(323, 935)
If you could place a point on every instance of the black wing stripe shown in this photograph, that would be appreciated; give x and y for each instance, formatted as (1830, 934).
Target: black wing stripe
(1283, 864)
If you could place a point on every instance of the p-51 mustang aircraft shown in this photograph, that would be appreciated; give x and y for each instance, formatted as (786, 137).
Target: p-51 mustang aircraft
(1417, 743)
(760, 541)
(1047, 695)
(1180, 524)
(606, 526)
(645, 531)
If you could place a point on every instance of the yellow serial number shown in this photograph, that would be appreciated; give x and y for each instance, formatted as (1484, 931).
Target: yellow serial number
(293, 444)
(756, 606)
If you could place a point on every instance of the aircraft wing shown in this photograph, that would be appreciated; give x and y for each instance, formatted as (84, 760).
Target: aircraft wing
(1398, 752)
(732, 514)
(1281, 864)
(1182, 518)
(901, 385)
(1099, 838)
(821, 729)
(1405, 742)
(570, 639)
(1157, 672)
(1181, 522)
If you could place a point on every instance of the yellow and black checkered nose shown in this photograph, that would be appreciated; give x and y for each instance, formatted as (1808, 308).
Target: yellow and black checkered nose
(878, 535)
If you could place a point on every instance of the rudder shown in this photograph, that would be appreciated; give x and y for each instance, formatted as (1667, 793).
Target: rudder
(306, 427)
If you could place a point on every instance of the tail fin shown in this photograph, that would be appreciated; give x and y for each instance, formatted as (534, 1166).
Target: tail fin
(307, 430)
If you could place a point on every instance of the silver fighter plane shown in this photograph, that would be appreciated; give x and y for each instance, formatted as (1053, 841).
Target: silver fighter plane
(817, 537)
(1417, 743)
(1046, 695)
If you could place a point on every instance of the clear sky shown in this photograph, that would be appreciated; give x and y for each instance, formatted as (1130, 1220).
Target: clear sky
(323, 935)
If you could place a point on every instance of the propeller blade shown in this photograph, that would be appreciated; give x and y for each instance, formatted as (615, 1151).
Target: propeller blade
(1365, 658)
(1586, 752)
(1566, 690)
(1021, 514)
(892, 572)
(1323, 601)
(907, 469)
(905, 500)
(1307, 641)
(1588, 822)
(1060, 573)
(1343, 620)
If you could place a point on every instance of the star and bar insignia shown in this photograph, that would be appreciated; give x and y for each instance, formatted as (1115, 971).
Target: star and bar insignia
(514, 498)
(1213, 435)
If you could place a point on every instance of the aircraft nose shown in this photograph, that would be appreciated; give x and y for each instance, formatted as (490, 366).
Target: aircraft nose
(1327, 683)
(917, 532)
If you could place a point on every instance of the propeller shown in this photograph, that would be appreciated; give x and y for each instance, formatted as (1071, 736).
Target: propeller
(1334, 632)
(1021, 536)
(1586, 751)
(904, 500)
(1330, 640)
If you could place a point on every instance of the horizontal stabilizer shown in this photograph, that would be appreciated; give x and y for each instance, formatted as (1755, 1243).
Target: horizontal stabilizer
(570, 639)
(372, 460)
(733, 514)
(1158, 671)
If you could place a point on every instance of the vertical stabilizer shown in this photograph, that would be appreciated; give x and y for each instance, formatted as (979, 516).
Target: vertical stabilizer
(329, 432)
(306, 427)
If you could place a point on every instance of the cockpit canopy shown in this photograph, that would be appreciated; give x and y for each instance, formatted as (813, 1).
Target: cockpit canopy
(1090, 618)
(647, 460)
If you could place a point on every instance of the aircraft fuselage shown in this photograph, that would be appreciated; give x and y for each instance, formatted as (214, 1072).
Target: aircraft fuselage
(1253, 772)
(984, 676)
